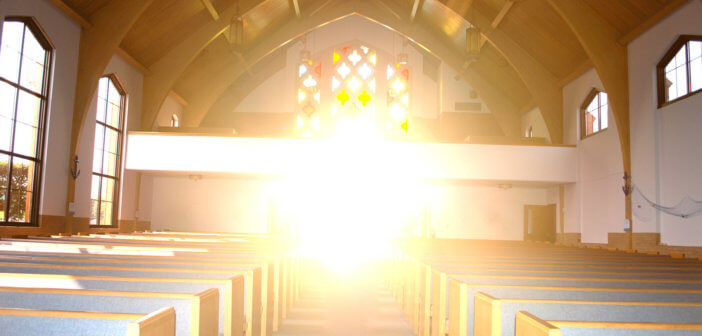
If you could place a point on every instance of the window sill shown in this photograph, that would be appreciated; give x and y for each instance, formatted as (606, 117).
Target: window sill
(660, 106)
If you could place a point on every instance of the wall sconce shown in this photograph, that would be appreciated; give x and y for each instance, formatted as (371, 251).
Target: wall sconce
(75, 172)
(402, 58)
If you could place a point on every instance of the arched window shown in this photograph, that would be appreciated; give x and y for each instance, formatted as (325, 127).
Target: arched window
(594, 113)
(25, 60)
(680, 70)
(104, 194)
(174, 120)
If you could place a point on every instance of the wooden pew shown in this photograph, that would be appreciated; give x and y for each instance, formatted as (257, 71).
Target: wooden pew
(231, 291)
(530, 325)
(256, 298)
(421, 289)
(22, 322)
(465, 305)
(496, 316)
(196, 314)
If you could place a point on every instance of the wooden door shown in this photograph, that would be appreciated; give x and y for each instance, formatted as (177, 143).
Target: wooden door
(540, 222)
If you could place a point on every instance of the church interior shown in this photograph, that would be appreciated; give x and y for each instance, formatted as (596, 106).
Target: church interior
(351, 167)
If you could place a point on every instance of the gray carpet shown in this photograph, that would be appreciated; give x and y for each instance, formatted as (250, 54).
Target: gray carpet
(355, 303)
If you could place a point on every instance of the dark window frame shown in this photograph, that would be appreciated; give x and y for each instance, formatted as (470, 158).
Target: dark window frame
(683, 40)
(40, 35)
(117, 178)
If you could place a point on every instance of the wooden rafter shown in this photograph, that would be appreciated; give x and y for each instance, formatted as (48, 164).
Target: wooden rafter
(71, 13)
(503, 12)
(498, 19)
(416, 9)
(210, 9)
(212, 85)
(540, 81)
(85, 24)
(165, 72)
(98, 44)
(651, 21)
(601, 43)
(133, 61)
(579, 70)
(295, 4)
(178, 98)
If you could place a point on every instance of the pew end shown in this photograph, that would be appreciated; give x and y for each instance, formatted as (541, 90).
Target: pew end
(530, 325)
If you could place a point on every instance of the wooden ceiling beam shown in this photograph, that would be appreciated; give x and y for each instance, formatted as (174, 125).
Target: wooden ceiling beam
(215, 82)
(98, 44)
(85, 24)
(295, 4)
(540, 81)
(650, 21)
(210, 9)
(243, 86)
(601, 42)
(416, 9)
(165, 72)
(133, 61)
(503, 12)
(178, 98)
(579, 70)
(498, 19)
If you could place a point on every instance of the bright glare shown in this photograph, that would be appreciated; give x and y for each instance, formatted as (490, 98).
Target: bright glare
(348, 211)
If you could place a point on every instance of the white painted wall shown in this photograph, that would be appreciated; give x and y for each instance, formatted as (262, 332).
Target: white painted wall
(453, 91)
(209, 204)
(64, 33)
(220, 204)
(665, 143)
(482, 212)
(598, 196)
(170, 107)
(534, 119)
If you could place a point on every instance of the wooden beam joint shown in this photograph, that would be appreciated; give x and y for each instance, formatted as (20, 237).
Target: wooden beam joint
(210, 8)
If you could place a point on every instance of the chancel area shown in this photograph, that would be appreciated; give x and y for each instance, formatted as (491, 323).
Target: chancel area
(351, 167)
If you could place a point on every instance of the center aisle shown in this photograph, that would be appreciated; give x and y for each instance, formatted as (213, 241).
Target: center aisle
(344, 303)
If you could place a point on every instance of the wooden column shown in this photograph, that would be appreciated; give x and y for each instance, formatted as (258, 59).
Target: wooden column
(600, 41)
(98, 44)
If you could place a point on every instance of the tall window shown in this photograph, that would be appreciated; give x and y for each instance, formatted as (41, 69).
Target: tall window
(25, 59)
(594, 113)
(680, 70)
(108, 150)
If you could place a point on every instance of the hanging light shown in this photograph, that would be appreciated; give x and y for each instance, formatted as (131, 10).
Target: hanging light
(236, 34)
(473, 43)
(305, 54)
(402, 57)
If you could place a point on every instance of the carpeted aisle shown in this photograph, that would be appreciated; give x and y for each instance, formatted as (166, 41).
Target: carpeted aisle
(344, 303)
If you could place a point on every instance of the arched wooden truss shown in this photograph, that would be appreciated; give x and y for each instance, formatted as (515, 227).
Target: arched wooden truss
(533, 48)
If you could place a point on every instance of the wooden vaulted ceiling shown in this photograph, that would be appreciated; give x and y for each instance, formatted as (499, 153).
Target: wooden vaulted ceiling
(525, 39)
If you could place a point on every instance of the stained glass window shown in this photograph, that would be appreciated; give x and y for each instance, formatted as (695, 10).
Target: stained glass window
(350, 98)
(353, 86)
(309, 118)
(398, 98)
(25, 56)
